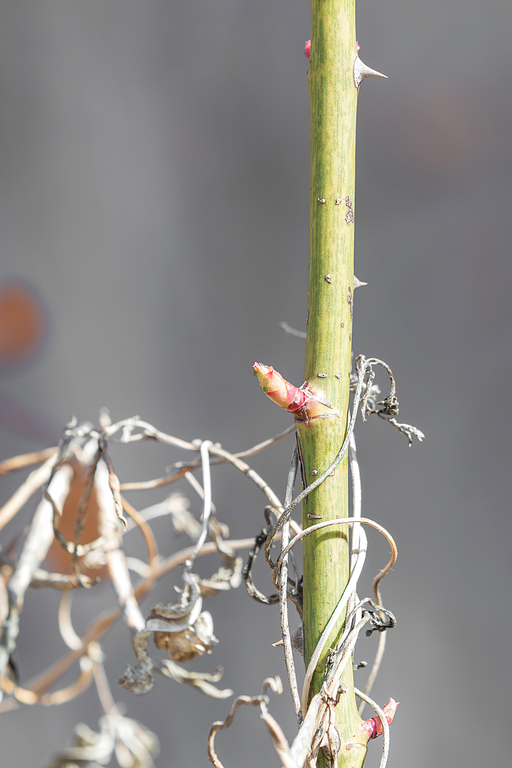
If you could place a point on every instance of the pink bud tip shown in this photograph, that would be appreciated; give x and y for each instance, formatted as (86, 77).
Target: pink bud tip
(358, 46)
(280, 391)
(373, 726)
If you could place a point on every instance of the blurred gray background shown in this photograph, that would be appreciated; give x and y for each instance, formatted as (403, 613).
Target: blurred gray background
(154, 202)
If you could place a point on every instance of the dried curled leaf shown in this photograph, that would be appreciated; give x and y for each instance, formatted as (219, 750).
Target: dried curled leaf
(183, 521)
(191, 642)
(132, 744)
(229, 576)
(201, 680)
(182, 629)
(175, 618)
(139, 679)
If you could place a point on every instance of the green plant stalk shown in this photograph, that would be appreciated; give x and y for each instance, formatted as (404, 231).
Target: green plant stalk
(333, 107)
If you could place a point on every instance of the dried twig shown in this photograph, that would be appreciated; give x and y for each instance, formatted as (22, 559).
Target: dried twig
(406, 429)
(147, 533)
(114, 555)
(251, 588)
(283, 581)
(277, 736)
(356, 512)
(206, 446)
(292, 331)
(34, 481)
(25, 460)
(59, 581)
(67, 631)
(182, 468)
(250, 473)
(148, 432)
(35, 549)
(101, 681)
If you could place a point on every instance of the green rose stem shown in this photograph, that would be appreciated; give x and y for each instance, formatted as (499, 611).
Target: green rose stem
(333, 108)
(334, 74)
(333, 103)
(321, 404)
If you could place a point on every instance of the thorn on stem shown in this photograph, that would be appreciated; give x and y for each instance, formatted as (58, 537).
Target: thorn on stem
(361, 70)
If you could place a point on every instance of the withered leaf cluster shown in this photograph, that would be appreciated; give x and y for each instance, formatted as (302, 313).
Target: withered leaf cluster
(76, 539)
(133, 745)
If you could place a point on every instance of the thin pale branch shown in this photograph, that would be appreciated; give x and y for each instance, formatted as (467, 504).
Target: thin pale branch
(34, 550)
(183, 468)
(277, 736)
(147, 533)
(283, 596)
(26, 460)
(34, 481)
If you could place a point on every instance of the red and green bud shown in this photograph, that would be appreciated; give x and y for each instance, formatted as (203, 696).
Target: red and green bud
(303, 401)
(280, 391)
(373, 726)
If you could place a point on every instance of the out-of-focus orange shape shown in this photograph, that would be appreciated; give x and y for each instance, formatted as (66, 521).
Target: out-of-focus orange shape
(21, 322)
(58, 559)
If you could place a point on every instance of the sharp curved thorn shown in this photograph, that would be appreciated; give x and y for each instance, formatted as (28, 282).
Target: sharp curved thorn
(358, 283)
(361, 70)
